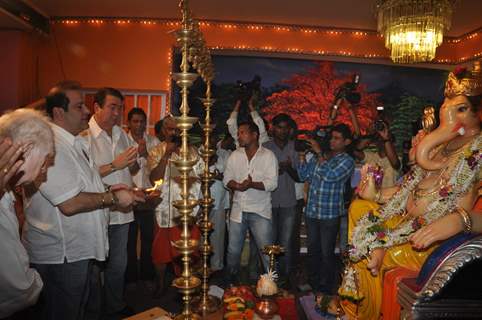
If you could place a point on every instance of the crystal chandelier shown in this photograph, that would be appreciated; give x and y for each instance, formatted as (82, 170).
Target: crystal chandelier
(413, 29)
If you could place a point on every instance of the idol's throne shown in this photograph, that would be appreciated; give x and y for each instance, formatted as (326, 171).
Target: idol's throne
(449, 285)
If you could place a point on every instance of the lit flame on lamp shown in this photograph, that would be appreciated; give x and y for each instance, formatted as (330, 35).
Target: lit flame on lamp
(157, 185)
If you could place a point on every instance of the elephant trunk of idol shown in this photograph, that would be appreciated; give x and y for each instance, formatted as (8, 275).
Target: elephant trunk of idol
(448, 130)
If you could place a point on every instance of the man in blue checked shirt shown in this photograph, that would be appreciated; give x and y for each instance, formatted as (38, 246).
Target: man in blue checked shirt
(327, 176)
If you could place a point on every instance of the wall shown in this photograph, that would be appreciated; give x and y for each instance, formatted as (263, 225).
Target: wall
(137, 55)
(17, 64)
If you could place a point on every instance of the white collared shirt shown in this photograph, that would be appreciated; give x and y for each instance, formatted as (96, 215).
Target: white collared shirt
(49, 236)
(104, 149)
(141, 178)
(20, 285)
(263, 167)
(218, 192)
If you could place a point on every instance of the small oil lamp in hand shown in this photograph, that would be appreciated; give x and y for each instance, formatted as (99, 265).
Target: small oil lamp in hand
(153, 192)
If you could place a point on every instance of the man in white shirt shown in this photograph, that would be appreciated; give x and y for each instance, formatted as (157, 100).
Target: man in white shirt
(252, 173)
(66, 221)
(115, 155)
(144, 214)
(20, 284)
(232, 122)
(220, 196)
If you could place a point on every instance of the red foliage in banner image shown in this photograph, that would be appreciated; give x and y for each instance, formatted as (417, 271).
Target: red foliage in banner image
(310, 96)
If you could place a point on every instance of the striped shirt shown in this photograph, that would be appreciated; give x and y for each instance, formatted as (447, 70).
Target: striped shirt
(327, 185)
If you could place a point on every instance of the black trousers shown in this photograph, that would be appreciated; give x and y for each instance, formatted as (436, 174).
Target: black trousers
(142, 269)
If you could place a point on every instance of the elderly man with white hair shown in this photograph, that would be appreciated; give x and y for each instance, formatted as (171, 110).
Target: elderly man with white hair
(27, 145)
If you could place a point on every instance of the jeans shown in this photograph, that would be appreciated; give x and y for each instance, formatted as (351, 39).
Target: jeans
(343, 234)
(283, 220)
(115, 268)
(142, 269)
(66, 289)
(297, 235)
(217, 237)
(261, 230)
(321, 257)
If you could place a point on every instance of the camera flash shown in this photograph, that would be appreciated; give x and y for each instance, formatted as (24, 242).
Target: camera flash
(380, 108)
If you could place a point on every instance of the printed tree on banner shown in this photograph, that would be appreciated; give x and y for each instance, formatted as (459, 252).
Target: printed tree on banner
(310, 95)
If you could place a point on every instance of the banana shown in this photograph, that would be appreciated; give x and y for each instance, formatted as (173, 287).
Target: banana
(236, 306)
(234, 299)
(232, 314)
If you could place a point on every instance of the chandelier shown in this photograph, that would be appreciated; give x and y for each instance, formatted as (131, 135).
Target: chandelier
(413, 29)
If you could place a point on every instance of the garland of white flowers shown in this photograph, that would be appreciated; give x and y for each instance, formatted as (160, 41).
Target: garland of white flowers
(370, 232)
(361, 237)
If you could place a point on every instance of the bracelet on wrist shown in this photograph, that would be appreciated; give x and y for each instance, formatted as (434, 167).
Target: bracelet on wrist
(102, 204)
(114, 199)
(466, 221)
(112, 167)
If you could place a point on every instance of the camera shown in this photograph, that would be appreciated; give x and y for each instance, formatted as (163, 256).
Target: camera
(321, 135)
(348, 90)
(177, 140)
(379, 125)
(246, 89)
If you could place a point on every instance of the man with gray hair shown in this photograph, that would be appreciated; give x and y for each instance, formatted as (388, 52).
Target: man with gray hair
(66, 221)
(115, 155)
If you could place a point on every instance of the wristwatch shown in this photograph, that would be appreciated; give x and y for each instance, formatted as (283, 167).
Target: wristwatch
(111, 167)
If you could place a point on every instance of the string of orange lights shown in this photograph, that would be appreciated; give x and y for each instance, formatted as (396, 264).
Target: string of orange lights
(245, 25)
(358, 35)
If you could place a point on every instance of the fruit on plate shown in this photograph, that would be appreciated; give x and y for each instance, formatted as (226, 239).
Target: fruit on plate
(238, 315)
(233, 299)
(239, 303)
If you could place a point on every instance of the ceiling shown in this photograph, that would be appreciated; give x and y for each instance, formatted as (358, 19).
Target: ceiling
(352, 14)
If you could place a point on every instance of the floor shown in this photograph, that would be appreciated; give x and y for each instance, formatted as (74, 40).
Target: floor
(139, 296)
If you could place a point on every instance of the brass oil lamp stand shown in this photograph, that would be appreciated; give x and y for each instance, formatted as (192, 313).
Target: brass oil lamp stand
(272, 251)
(206, 303)
(200, 58)
(194, 51)
(187, 283)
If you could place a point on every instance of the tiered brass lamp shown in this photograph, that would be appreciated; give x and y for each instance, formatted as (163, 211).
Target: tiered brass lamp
(194, 52)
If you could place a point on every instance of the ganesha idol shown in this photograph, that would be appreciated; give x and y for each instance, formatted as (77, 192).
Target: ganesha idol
(442, 181)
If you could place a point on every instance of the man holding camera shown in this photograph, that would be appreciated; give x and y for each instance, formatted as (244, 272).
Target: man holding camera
(327, 176)
(385, 156)
(232, 121)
